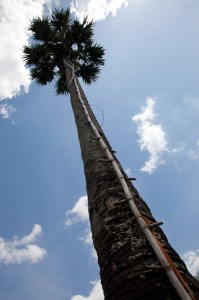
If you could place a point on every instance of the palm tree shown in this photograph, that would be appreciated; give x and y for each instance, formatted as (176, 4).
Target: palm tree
(133, 253)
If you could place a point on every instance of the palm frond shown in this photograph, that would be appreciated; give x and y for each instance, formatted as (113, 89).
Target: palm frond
(60, 84)
(36, 53)
(88, 72)
(94, 53)
(41, 29)
(82, 32)
(61, 19)
(43, 73)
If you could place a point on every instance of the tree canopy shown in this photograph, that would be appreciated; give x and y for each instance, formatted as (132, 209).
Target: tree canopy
(57, 37)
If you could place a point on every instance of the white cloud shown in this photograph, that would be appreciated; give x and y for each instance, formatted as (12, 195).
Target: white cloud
(191, 259)
(128, 172)
(87, 239)
(96, 10)
(15, 16)
(6, 111)
(183, 149)
(79, 213)
(151, 136)
(178, 149)
(22, 250)
(95, 294)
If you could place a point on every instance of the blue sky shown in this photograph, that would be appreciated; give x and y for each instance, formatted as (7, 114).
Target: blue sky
(149, 94)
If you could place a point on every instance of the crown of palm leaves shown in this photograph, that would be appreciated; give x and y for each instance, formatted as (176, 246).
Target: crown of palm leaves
(57, 37)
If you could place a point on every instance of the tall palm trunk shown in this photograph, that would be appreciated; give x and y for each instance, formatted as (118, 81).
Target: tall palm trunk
(129, 268)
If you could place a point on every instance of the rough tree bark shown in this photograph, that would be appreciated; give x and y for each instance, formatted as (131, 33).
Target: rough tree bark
(129, 268)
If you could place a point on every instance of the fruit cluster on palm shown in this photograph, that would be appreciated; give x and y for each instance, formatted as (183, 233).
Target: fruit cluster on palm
(63, 49)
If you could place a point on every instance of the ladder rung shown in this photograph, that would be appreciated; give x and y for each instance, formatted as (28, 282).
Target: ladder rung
(120, 201)
(154, 224)
(95, 138)
(105, 160)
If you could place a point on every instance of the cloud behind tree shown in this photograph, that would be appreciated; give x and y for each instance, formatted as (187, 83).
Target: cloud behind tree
(15, 17)
(97, 10)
